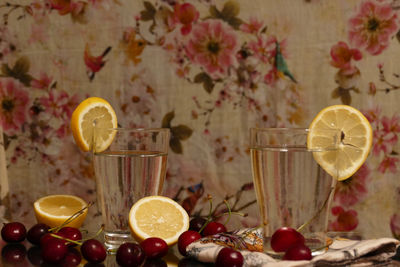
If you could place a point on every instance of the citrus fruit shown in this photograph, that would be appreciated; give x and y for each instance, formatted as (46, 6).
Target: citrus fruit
(353, 146)
(91, 112)
(158, 216)
(53, 210)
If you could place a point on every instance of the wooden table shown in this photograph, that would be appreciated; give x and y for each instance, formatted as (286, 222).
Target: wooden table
(30, 256)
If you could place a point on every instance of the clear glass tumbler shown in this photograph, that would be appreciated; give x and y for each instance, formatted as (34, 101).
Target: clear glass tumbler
(133, 166)
(292, 190)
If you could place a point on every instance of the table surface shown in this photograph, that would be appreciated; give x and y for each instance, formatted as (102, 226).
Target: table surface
(31, 257)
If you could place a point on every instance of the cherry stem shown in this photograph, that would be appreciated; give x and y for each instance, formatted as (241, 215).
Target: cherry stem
(66, 239)
(100, 230)
(96, 234)
(323, 247)
(71, 218)
(318, 212)
(77, 242)
(229, 212)
(209, 217)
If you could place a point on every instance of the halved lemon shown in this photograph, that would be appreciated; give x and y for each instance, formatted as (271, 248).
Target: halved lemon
(158, 216)
(93, 111)
(54, 210)
(354, 144)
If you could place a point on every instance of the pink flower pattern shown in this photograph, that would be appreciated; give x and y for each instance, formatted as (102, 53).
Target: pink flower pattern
(253, 27)
(383, 142)
(264, 48)
(395, 225)
(185, 14)
(385, 134)
(373, 115)
(342, 55)
(346, 220)
(43, 82)
(213, 45)
(352, 190)
(59, 104)
(14, 102)
(234, 60)
(388, 164)
(373, 26)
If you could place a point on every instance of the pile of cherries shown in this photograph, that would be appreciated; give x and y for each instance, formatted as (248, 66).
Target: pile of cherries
(291, 243)
(60, 247)
(284, 240)
(200, 227)
(49, 247)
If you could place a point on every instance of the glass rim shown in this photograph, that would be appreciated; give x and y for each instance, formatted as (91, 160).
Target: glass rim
(294, 130)
(257, 140)
(127, 129)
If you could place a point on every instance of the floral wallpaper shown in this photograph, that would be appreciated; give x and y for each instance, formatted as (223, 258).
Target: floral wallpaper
(208, 70)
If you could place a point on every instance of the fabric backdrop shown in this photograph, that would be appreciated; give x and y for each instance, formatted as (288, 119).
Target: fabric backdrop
(206, 69)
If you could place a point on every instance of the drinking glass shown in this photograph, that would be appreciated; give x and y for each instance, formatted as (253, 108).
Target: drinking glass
(132, 167)
(292, 189)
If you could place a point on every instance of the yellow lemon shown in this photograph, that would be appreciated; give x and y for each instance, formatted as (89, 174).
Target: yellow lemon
(158, 216)
(93, 111)
(53, 210)
(355, 140)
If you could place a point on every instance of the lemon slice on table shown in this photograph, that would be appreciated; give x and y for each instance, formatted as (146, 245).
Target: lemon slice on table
(53, 210)
(158, 216)
(93, 111)
(354, 144)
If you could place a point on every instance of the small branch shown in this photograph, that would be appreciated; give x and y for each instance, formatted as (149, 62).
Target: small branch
(247, 205)
(391, 86)
(176, 197)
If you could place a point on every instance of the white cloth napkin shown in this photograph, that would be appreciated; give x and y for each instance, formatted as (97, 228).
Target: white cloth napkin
(340, 253)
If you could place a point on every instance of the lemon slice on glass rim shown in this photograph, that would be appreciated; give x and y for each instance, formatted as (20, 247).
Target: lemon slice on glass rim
(90, 113)
(354, 144)
(158, 216)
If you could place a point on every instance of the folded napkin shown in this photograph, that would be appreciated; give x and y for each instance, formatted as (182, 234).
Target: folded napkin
(342, 252)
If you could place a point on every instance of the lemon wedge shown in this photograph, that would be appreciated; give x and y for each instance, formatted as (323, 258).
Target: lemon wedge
(158, 216)
(53, 210)
(354, 144)
(93, 111)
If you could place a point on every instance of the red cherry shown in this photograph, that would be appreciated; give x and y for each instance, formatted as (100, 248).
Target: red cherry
(284, 238)
(70, 233)
(54, 250)
(154, 247)
(72, 258)
(35, 256)
(298, 252)
(130, 254)
(13, 254)
(197, 223)
(46, 238)
(229, 257)
(13, 232)
(185, 239)
(36, 232)
(93, 251)
(213, 228)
